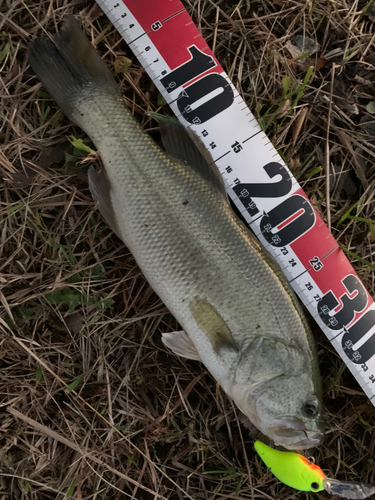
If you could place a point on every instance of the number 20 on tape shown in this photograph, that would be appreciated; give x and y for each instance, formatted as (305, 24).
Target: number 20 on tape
(169, 46)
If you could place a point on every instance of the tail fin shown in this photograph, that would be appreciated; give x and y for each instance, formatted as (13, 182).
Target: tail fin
(69, 66)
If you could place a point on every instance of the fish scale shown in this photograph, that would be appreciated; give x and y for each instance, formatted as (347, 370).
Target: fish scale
(264, 190)
(223, 268)
(240, 315)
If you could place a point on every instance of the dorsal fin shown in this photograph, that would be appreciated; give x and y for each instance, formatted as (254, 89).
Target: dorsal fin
(186, 146)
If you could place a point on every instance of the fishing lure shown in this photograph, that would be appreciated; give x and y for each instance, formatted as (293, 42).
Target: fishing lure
(303, 474)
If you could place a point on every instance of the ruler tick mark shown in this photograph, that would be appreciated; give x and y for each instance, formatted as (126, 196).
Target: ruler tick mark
(256, 219)
(138, 37)
(303, 272)
(248, 139)
(329, 253)
(235, 119)
(220, 157)
(337, 335)
(173, 15)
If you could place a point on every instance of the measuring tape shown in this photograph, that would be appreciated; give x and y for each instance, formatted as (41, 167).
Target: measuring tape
(169, 46)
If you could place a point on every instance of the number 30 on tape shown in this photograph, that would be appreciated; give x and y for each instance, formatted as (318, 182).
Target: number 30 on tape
(169, 46)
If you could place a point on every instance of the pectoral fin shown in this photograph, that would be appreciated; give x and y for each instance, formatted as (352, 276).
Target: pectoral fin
(212, 324)
(181, 344)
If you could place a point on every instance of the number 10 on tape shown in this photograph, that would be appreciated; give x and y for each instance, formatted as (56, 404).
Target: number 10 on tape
(169, 46)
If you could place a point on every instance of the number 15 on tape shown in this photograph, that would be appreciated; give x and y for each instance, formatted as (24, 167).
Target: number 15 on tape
(169, 46)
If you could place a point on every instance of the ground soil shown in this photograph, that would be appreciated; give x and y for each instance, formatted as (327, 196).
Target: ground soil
(92, 405)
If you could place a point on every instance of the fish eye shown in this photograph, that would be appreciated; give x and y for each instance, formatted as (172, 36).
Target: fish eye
(314, 486)
(310, 408)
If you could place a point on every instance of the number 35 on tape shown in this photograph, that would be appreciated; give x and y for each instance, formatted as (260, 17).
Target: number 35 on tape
(169, 46)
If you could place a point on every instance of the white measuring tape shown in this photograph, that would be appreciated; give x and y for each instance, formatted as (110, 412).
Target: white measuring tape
(170, 48)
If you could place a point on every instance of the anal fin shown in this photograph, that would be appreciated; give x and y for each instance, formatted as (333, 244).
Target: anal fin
(181, 344)
(100, 189)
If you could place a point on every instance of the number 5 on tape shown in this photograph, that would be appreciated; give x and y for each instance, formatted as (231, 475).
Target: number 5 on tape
(186, 72)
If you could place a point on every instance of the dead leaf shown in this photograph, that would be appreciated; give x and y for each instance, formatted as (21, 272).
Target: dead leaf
(320, 62)
(54, 155)
(358, 167)
(360, 72)
(370, 12)
(295, 162)
(4, 162)
(23, 178)
(370, 58)
(302, 50)
(74, 322)
(342, 179)
(292, 49)
(121, 64)
(340, 98)
(368, 123)
(284, 109)
(298, 123)
(306, 45)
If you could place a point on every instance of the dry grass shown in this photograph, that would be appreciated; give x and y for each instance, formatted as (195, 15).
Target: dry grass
(137, 422)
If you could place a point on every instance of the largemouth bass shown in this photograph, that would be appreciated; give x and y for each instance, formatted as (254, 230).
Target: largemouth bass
(238, 313)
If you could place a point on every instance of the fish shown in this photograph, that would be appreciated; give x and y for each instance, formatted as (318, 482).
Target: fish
(237, 312)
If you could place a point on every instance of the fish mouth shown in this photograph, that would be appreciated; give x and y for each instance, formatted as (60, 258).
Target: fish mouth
(305, 443)
(293, 435)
